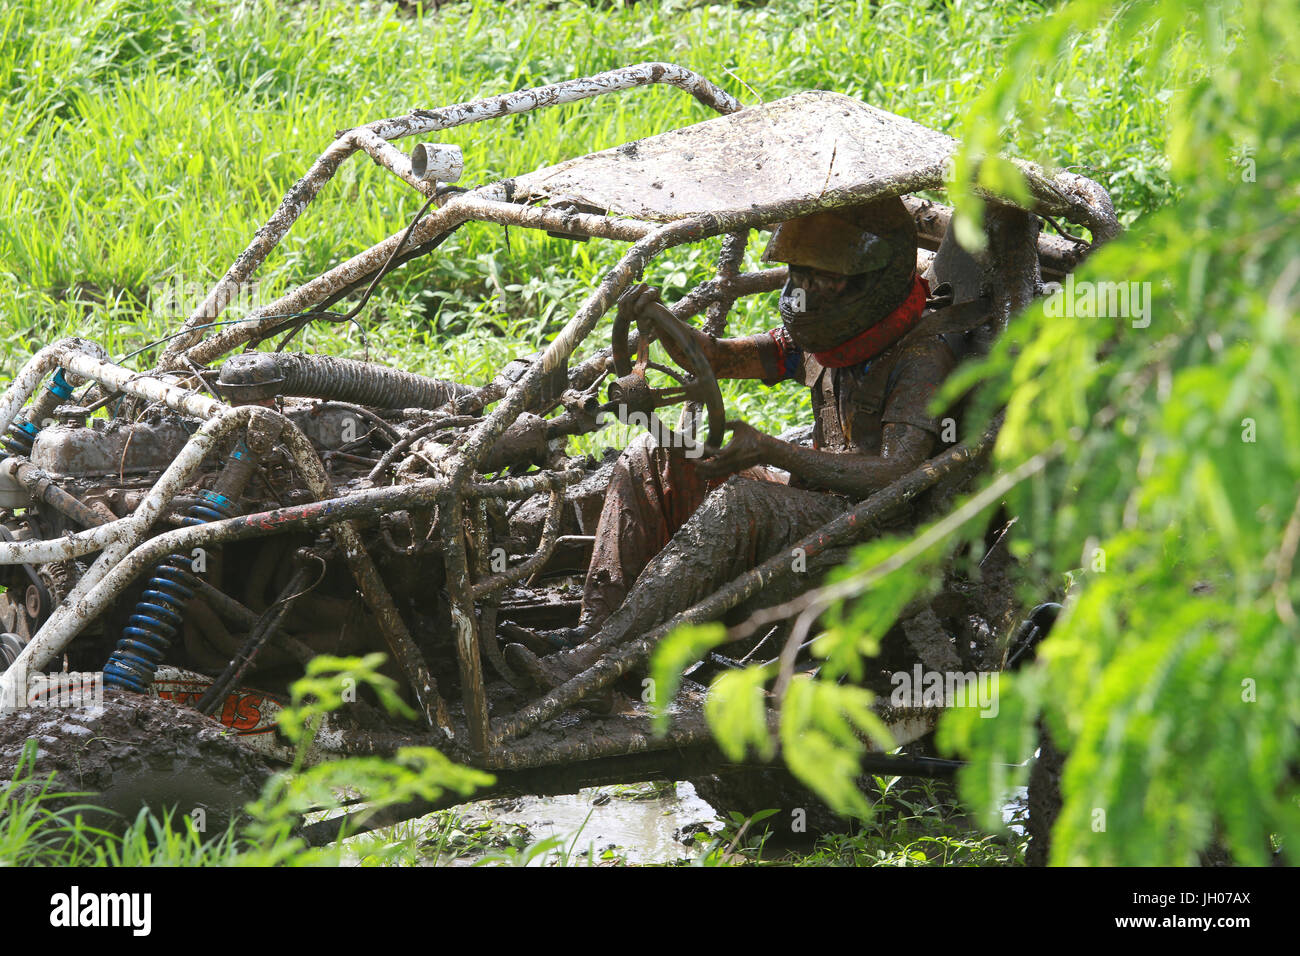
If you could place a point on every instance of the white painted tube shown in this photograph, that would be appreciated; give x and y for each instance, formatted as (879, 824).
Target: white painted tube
(437, 161)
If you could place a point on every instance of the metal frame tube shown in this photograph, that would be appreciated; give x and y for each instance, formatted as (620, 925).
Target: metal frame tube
(463, 208)
(119, 542)
(839, 531)
(301, 194)
(550, 534)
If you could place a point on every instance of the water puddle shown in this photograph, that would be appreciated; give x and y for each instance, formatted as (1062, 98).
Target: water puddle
(636, 824)
(641, 823)
(1015, 810)
(645, 823)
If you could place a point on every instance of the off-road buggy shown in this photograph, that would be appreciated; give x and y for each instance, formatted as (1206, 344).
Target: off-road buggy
(233, 517)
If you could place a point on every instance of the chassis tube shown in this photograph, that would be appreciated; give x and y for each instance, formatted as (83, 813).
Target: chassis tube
(457, 210)
(133, 527)
(121, 537)
(459, 590)
(421, 122)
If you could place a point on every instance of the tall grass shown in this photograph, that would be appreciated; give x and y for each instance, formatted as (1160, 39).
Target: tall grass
(147, 141)
(41, 826)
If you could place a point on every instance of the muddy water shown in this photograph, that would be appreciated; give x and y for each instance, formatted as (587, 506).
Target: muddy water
(639, 824)
(634, 824)
(1015, 811)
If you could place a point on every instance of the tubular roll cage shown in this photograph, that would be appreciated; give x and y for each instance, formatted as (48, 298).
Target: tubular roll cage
(126, 550)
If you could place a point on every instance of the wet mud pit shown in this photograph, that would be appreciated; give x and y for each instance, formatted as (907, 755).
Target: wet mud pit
(135, 750)
(131, 751)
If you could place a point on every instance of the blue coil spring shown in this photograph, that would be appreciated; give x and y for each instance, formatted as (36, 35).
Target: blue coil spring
(157, 618)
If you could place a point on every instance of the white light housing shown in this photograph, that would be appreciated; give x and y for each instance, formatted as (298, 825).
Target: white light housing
(437, 162)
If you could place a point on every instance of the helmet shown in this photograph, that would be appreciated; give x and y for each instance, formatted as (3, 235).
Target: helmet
(872, 244)
(849, 241)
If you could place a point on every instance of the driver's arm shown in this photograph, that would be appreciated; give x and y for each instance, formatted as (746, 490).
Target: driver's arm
(909, 435)
(755, 356)
(902, 448)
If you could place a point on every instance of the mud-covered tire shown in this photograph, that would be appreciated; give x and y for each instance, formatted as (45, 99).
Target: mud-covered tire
(133, 752)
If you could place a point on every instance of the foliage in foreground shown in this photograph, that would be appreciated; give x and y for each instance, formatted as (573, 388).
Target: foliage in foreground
(1154, 467)
(38, 827)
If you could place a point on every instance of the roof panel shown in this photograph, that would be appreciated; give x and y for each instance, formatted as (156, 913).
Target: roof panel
(797, 148)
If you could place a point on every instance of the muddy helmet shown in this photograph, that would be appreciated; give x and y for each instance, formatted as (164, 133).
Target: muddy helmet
(873, 243)
(851, 240)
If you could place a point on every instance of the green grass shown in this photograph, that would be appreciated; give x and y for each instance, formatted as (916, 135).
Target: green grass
(148, 139)
(43, 826)
(916, 822)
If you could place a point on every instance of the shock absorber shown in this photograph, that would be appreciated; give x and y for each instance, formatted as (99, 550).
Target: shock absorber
(23, 429)
(157, 618)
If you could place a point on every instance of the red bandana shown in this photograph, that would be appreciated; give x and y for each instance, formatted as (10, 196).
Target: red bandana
(870, 343)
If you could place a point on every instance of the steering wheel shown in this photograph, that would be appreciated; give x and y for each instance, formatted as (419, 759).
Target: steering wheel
(634, 393)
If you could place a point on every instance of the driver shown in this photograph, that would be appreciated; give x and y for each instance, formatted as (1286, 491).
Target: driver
(674, 529)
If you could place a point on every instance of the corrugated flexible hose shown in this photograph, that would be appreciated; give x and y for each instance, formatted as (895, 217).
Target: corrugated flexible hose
(256, 376)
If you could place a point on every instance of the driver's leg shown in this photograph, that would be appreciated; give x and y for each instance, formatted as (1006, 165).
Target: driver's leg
(739, 525)
(651, 494)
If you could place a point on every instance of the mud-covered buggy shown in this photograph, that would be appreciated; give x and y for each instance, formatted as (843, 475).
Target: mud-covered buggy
(234, 517)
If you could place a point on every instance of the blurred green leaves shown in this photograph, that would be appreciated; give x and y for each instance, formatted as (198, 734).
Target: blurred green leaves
(1169, 492)
(413, 773)
(1171, 680)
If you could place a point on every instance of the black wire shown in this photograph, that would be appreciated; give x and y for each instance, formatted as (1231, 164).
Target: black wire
(207, 325)
(296, 321)
(370, 289)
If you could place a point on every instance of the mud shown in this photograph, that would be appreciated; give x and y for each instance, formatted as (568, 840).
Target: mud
(753, 789)
(1044, 800)
(932, 642)
(131, 752)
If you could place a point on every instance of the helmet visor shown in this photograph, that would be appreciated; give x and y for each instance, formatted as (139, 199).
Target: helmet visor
(827, 242)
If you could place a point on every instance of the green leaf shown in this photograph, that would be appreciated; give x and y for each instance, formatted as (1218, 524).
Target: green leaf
(682, 647)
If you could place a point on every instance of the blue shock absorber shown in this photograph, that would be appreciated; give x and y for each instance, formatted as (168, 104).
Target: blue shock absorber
(157, 618)
(22, 430)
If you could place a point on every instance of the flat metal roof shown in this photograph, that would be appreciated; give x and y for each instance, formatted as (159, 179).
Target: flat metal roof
(799, 148)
